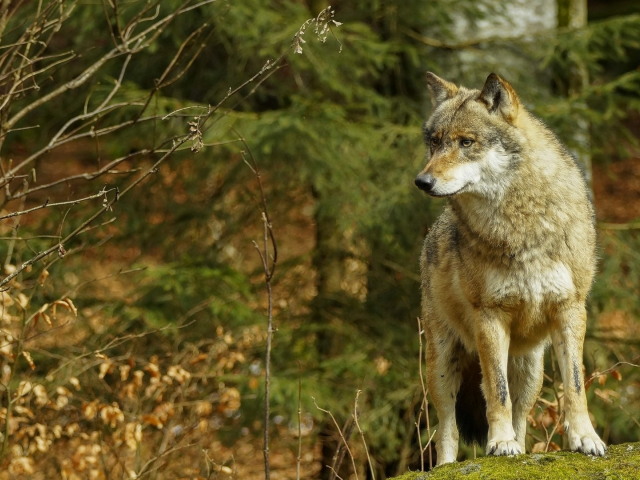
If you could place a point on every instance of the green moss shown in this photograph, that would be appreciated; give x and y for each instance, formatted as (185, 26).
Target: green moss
(621, 462)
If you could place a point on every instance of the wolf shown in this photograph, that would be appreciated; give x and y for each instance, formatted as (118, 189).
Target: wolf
(505, 269)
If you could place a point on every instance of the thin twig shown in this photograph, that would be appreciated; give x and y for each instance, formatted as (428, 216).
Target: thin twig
(267, 380)
(553, 431)
(333, 472)
(629, 415)
(364, 442)
(153, 169)
(610, 369)
(46, 204)
(344, 440)
(425, 402)
(107, 169)
(338, 456)
(268, 276)
(299, 458)
(431, 438)
(254, 167)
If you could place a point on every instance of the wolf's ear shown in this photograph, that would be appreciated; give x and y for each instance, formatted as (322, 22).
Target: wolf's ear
(500, 97)
(440, 89)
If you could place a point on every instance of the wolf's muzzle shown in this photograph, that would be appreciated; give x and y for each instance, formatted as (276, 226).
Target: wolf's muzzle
(425, 182)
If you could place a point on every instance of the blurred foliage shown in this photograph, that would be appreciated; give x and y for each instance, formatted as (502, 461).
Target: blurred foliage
(337, 132)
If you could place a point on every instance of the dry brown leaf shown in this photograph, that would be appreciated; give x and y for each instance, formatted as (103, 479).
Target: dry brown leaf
(21, 466)
(105, 367)
(229, 401)
(606, 394)
(152, 420)
(41, 395)
(27, 356)
(138, 375)
(111, 414)
(23, 300)
(153, 369)
(75, 382)
(72, 307)
(124, 372)
(43, 276)
(90, 410)
(133, 435)
(62, 401)
(20, 410)
(178, 373)
(203, 408)
(198, 358)
(164, 411)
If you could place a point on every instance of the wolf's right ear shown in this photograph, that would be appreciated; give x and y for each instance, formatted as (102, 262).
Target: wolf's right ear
(499, 96)
(440, 89)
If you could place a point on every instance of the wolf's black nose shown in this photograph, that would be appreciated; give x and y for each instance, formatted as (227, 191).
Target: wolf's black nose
(425, 182)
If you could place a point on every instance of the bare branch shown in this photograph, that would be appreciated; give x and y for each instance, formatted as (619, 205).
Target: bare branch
(88, 221)
(269, 271)
(140, 42)
(364, 442)
(299, 457)
(46, 204)
(107, 169)
(344, 440)
(425, 401)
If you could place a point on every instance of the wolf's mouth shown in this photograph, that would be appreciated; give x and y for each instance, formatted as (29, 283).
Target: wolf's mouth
(442, 195)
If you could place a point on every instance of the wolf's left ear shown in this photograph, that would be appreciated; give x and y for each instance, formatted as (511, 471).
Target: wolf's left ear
(500, 97)
(440, 89)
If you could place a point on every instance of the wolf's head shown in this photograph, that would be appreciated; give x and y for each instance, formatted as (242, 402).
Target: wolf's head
(472, 137)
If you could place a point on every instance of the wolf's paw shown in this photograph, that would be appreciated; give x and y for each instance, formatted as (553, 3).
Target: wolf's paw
(503, 447)
(585, 439)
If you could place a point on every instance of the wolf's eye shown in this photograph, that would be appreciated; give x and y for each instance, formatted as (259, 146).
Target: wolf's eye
(466, 142)
(434, 142)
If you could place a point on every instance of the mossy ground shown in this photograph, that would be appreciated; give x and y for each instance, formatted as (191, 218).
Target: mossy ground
(621, 462)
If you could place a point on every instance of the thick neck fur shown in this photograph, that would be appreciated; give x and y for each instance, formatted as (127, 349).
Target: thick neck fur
(530, 201)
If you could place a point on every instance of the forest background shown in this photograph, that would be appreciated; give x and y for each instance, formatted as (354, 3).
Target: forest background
(134, 305)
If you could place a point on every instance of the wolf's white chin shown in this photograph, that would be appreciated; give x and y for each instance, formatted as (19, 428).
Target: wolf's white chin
(461, 177)
(487, 177)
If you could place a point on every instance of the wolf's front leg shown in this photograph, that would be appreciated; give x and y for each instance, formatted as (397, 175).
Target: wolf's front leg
(492, 339)
(526, 373)
(443, 380)
(568, 341)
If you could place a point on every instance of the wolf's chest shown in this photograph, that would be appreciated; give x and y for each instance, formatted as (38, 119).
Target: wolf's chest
(533, 282)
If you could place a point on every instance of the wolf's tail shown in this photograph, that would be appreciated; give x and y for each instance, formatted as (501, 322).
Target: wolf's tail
(471, 406)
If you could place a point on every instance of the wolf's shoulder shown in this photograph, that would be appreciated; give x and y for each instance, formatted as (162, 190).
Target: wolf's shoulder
(443, 235)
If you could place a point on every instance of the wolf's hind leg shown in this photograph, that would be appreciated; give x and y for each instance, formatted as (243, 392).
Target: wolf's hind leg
(525, 373)
(568, 341)
(443, 379)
